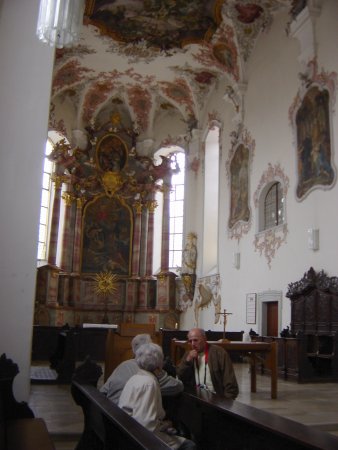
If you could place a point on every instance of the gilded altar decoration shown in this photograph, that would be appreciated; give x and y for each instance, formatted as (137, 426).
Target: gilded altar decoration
(310, 115)
(112, 182)
(105, 283)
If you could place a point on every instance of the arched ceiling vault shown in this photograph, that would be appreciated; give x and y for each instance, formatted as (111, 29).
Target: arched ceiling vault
(139, 59)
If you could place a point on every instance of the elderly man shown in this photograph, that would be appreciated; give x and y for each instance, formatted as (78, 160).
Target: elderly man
(141, 398)
(115, 383)
(207, 366)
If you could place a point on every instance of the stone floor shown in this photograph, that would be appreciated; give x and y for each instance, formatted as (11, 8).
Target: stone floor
(313, 404)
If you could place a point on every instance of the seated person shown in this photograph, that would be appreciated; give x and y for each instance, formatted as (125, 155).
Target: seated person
(207, 366)
(141, 398)
(115, 383)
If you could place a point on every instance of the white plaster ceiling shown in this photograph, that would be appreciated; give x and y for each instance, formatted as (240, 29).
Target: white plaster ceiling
(111, 75)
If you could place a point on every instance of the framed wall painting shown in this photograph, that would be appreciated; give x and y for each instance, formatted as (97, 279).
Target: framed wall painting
(238, 168)
(111, 153)
(107, 236)
(239, 171)
(314, 142)
(251, 306)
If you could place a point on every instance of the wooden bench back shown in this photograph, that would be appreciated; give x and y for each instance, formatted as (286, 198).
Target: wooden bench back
(108, 426)
(9, 407)
(18, 427)
(217, 423)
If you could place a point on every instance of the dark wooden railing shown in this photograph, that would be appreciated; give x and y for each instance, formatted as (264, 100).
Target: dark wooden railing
(107, 426)
(220, 424)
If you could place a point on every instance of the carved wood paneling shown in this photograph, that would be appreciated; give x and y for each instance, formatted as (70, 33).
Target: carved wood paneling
(314, 303)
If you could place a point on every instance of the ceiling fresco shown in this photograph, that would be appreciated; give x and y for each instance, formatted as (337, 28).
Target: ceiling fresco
(153, 58)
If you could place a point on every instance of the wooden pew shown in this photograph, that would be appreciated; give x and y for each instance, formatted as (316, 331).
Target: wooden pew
(210, 420)
(109, 427)
(19, 429)
(221, 424)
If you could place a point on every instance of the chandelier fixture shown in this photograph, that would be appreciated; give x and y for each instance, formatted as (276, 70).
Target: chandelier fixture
(60, 22)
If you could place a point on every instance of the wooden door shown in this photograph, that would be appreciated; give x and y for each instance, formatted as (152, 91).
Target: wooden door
(272, 319)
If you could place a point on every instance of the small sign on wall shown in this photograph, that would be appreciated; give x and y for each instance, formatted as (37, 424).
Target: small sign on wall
(251, 308)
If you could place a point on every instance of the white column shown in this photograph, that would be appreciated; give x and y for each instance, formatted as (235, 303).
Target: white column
(25, 73)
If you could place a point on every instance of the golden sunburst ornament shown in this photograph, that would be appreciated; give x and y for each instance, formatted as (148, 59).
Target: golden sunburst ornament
(105, 283)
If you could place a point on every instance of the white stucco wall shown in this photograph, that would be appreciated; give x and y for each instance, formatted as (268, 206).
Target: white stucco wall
(24, 104)
(273, 83)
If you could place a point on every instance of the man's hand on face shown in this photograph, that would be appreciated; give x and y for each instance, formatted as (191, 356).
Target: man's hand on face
(193, 354)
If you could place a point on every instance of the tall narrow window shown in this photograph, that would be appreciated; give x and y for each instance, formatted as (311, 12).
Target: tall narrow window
(45, 203)
(176, 214)
(273, 206)
(211, 192)
(176, 211)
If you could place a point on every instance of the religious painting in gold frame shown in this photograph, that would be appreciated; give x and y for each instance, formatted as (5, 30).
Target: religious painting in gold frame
(111, 153)
(239, 186)
(313, 134)
(107, 236)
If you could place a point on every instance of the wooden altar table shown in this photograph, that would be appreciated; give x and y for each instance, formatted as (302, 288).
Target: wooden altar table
(256, 351)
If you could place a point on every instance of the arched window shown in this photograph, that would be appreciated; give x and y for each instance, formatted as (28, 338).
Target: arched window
(273, 206)
(45, 203)
(47, 198)
(270, 200)
(175, 214)
(211, 193)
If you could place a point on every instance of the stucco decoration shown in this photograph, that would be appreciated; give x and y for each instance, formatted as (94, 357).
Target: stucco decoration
(311, 119)
(238, 169)
(250, 19)
(148, 41)
(207, 292)
(184, 299)
(222, 54)
(267, 242)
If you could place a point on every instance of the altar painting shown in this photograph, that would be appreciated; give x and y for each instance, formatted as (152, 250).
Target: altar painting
(111, 153)
(313, 142)
(239, 174)
(107, 237)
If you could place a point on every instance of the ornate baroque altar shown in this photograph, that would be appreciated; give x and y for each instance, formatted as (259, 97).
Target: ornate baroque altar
(105, 273)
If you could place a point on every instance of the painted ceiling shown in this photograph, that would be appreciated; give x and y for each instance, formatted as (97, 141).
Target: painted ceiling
(143, 61)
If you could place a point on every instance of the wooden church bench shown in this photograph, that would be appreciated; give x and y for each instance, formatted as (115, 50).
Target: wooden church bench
(19, 429)
(221, 424)
(106, 426)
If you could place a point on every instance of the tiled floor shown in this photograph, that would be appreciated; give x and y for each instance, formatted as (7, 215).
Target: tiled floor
(312, 404)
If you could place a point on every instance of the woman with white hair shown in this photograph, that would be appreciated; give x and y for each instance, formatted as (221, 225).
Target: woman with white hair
(112, 388)
(141, 397)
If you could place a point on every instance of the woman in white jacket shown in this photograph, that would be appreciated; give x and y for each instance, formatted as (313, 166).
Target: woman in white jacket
(141, 398)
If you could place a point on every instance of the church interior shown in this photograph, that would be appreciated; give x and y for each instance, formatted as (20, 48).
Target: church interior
(175, 168)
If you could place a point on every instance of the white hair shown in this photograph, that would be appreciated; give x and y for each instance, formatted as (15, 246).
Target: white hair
(149, 357)
(139, 340)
